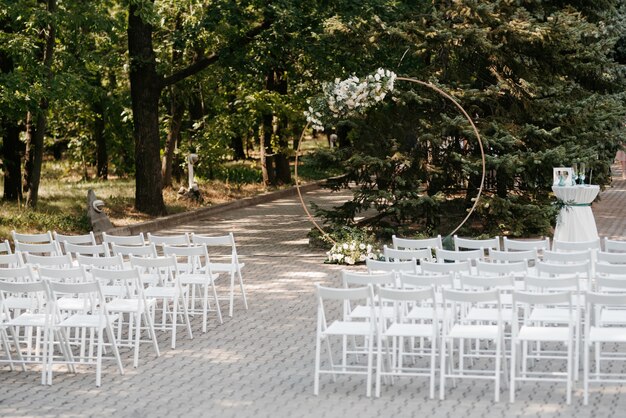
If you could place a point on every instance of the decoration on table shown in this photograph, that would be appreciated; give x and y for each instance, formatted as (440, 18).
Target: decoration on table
(352, 97)
(581, 173)
(561, 204)
(348, 98)
(562, 176)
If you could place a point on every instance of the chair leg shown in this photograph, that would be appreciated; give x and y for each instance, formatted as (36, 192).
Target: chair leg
(99, 359)
(512, 373)
(174, 321)
(316, 378)
(442, 368)
(570, 365)
(137, 317)
(497, 371)
(150, 321)
(217, 302)
(205, 307)
(433, 361)
(232, 293)
(379, 363)
(243, 292)
(586, 375)
(370, 366)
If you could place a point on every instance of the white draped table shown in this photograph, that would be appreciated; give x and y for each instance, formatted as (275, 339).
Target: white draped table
(576, 221)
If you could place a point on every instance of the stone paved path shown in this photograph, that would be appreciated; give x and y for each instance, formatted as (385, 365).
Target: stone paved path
(260, 362)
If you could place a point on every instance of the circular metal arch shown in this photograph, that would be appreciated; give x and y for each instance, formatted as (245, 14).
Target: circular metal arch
(442, 93)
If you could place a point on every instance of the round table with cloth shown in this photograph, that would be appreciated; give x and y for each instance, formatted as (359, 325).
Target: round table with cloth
(575, 221)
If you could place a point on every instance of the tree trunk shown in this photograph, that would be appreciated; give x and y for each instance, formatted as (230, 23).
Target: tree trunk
(35, 134)
(267, 154)
(145, 90)
(11, 159)
(102, 156)
(177, 111)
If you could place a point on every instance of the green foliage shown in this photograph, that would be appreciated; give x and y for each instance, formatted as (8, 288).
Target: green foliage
(238, 174)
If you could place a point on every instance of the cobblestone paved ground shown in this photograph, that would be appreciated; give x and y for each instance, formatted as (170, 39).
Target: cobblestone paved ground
(260, 362)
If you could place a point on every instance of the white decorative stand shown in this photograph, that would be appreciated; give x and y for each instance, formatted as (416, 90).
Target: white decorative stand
(576, 222)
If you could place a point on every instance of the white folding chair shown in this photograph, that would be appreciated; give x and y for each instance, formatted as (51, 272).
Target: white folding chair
(514, 268)
(93, 315)
(391, 254)
(129, 300)
(402, 327)
(576, 245)
(351, 279)
(128, 251)
(456, 327)
(195, 271)
(461, 244)
(543, 331)
(558, 314)
(598, 332)
(172, 240)
(51, 261)
(5, 247)
(343, 327)
(610, 258)
(446, 268)
(11, 260)
(137, 240)
(232, 267)
(527, 256)
(560, 257)
(393, 266)
(32, 316)
(65, 275)
(43, 238)
(49, 248)
(92, 250)
(614, 246)
(444, 256)
(525, 245)
(167, 288)
(84, 239)
(416, 243)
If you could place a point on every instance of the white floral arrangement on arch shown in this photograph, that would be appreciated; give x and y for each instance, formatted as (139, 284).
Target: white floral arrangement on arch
(347, 98)
(351, 252)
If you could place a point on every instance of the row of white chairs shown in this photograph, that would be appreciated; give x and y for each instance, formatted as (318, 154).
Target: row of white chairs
(58, 245)
(182, 278)
(506, 244)
(390, 320)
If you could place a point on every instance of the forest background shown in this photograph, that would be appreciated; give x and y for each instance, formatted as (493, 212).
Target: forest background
(127, 88)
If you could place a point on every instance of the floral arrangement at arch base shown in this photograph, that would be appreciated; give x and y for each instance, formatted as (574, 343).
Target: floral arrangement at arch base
(353, 245)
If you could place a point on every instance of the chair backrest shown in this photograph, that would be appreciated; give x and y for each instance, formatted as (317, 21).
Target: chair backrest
(392, 254)
(356, 295)
(518, 269)
(11, 260)
(161, 240)
(5, 247)
(50, 261)
(84, 239)
(395, 266)
(448, 255)
(552, 269)
(17, 274)
(218, 241)
(525, 245)
(126, 251)
(192, 259)
(534, 298)
(128, 281)
(445, 268)
(611, 284)
(50, 248)
(90, 293)
(476, 244)
(415, 243)
(125, 240)
(603, 300)
(93, 250)
(469, 282)
(610, 270)
(551, 284)
(567, 257)
(67, 275)
(528, 256)
(616, 246)
(164, 268)
(576, 246)
(115, 262)
(527, 301)
(404, 299)
(43, 238)
(35, 291)
(437, 281)
(351, 279)
(610, 258)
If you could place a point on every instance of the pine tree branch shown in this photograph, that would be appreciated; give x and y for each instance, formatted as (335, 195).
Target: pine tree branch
(205, 62)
